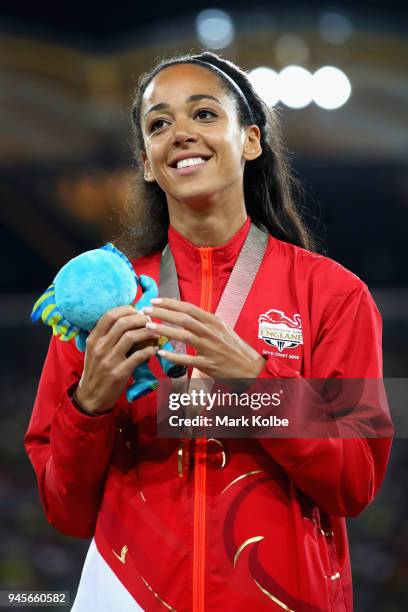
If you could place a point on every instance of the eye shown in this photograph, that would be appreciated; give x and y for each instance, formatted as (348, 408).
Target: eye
(156, 125)
(205, 111)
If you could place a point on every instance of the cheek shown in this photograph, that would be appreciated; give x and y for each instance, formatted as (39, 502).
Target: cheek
(233, 141)
(232, 154)
(155, 151)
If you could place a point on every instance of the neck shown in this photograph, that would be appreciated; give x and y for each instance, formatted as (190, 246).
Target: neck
(211, 226)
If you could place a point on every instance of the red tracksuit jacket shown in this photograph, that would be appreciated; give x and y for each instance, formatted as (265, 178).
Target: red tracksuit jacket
(174, 541)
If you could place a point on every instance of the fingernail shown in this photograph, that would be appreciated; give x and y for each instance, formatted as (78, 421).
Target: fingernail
(147, 309)
(156, 300)
(161, 352)
(151, 325)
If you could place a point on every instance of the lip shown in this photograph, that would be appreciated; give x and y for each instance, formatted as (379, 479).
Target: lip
(187, 155)
(191, 169)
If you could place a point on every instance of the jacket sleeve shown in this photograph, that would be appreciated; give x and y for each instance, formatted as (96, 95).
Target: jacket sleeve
(343, 474)
(69, 450)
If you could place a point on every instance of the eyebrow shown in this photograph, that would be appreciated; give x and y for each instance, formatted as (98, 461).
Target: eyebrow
(193, 98)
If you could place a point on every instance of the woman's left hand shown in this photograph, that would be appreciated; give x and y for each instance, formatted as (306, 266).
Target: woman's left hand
(221, 353)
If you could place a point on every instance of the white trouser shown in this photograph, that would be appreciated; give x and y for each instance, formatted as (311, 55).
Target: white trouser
(100, 590)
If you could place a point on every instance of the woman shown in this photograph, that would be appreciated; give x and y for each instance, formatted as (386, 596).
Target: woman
(197, 524)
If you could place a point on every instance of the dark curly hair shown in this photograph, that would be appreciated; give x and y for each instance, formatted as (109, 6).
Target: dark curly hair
(269, 186)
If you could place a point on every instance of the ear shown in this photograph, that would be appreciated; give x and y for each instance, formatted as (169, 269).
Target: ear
(252, 144)
(148, 174)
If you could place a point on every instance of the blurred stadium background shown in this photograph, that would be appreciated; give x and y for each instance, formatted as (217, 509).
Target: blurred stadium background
(67, 74)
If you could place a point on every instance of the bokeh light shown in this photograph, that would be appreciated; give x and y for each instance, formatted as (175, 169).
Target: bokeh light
(265, 82)
(215, 28)
(331, 87)
(335, 28)
(291, 49)
(295, 86)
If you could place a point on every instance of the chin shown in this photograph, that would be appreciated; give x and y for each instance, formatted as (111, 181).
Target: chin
(196, 195)
(199, 202)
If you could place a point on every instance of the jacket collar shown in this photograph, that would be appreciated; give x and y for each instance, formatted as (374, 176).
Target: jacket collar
(224, 256)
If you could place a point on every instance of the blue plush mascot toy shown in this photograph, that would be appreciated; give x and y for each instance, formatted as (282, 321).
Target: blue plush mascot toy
(88, 286)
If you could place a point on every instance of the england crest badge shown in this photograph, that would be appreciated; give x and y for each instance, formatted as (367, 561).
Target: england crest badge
(278, 330)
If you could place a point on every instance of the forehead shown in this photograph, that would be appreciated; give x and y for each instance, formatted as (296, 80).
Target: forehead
(176, 83)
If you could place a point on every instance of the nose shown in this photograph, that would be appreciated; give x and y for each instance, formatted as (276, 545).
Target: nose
(183, 132)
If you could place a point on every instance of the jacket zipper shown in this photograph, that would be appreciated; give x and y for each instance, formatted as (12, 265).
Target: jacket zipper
(200, 472)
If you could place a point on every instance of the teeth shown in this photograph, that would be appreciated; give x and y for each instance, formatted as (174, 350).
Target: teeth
(191, 161)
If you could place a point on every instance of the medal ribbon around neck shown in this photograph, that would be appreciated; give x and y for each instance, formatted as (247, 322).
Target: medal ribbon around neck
(230, 305)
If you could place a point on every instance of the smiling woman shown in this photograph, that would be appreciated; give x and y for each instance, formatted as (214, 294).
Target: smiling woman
(194, 523)
(221, 105)
(209, 138)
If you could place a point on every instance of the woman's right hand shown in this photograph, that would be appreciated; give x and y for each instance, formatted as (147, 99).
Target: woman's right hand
(115, 347)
